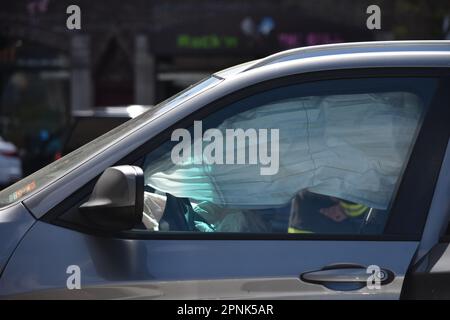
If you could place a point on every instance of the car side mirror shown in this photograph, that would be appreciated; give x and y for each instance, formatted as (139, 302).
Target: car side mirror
(117, 201)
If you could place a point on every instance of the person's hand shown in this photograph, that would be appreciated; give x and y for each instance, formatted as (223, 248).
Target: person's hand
(335, 213)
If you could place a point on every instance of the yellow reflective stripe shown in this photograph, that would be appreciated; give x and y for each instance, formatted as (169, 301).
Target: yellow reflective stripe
(295, 230)
(349, 205)
(353, 210)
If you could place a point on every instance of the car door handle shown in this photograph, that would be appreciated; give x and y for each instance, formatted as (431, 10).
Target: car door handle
(350, 274)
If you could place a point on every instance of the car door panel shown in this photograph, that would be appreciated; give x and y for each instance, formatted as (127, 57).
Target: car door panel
(191, 269)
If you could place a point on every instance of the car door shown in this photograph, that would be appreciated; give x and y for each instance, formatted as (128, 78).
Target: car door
(340, 216)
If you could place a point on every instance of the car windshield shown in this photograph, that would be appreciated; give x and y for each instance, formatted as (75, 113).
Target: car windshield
(57, 169)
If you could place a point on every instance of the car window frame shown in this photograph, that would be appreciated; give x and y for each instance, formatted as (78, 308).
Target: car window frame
(399, 233)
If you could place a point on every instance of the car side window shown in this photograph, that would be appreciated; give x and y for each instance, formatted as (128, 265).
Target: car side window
(324, 157)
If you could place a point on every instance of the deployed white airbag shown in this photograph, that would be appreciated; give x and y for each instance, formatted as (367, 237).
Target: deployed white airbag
(353, 147)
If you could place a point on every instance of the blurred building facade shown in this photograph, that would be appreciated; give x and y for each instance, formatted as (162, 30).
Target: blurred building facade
(141, 52)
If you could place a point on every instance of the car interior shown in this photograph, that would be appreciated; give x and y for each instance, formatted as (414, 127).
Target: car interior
(303, 214)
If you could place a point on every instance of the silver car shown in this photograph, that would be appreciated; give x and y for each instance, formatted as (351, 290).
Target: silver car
(319, 172)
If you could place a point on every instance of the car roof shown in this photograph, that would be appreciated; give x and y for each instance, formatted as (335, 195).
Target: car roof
(330, 50)
(130, 111)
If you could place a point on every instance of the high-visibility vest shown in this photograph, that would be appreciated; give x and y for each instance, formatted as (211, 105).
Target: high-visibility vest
(295, 230)
(353, 210)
